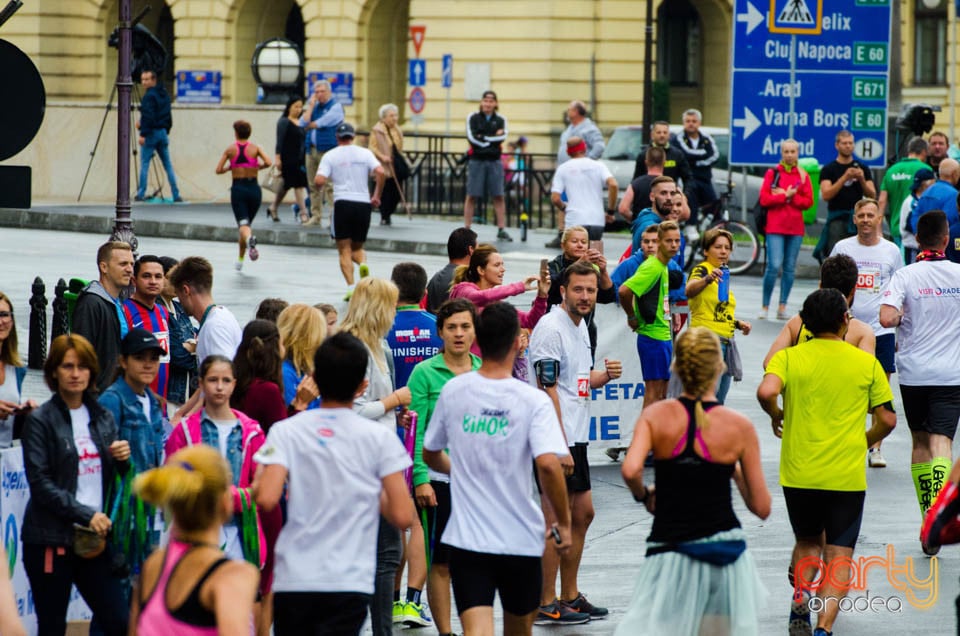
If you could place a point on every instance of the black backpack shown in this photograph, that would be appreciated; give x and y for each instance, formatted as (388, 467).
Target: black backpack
(759, 212)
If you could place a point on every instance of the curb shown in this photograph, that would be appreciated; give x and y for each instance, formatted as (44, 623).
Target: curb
(95, 224)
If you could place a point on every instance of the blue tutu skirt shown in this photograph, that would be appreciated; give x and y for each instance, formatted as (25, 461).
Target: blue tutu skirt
(677, 595)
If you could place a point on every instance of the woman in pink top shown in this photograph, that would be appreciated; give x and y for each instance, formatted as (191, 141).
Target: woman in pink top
(191, 588)
(481, 282)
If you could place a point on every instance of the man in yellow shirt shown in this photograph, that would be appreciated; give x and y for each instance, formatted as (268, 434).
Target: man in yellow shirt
(822, 469)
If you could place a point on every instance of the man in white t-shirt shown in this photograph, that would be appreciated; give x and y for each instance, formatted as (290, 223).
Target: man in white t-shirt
(494, 425)
(923, 303)
(582, 180)
(877, 259)
(349, 167)
(219, 332)
(344, 471)
(562, 365)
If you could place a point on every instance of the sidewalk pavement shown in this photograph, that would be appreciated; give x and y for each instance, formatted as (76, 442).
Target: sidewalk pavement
(214, 221)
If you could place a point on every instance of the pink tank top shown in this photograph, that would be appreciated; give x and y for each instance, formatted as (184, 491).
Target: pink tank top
(190, 619)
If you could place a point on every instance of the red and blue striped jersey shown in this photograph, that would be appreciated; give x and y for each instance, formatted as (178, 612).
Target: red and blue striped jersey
(156, 322)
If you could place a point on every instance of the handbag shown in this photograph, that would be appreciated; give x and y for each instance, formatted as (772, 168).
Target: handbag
(87, 543)
(759, 212)
(401, 169)
(273, 181)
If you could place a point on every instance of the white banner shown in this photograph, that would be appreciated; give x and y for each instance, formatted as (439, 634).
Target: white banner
(13, 504)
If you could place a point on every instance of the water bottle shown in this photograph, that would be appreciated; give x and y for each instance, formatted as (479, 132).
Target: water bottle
(723, 285)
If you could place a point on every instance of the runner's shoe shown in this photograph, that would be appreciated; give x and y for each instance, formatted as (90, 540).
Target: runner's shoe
(414, 615)
(238, 265)
(799, 622)
(252, 248)
(613, 454)
(821, 632)
(398, 611)
(558, 613)
(364, 270)
(503, 236)
(941, 525)
(583, 606)
(875, 459)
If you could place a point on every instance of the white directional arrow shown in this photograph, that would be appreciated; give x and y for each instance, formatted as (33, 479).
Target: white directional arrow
(749, 123)
(752, 17)
(417, 72)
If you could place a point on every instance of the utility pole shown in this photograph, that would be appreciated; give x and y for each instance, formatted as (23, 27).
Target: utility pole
(648, 74)
(123, 225)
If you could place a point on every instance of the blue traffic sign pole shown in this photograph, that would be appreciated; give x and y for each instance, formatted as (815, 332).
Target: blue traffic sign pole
(446, 76)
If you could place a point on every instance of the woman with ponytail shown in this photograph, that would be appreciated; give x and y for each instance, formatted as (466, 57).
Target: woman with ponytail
(191, 588)
(698, 446)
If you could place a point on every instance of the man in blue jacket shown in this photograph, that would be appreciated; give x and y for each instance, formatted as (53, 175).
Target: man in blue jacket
(155, 123)
(321, 116)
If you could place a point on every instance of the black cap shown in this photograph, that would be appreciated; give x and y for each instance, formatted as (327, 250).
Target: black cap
(139, 339)
(345, 130)
(921, 175)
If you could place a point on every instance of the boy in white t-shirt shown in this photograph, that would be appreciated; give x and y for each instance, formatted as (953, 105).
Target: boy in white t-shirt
(494, 425)
(350, 167)
(344, 472)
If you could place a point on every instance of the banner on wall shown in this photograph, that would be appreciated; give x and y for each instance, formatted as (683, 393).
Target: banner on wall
(13, 503)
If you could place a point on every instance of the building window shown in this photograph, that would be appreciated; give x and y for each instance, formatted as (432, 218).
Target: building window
(929, 66)
(678, 43)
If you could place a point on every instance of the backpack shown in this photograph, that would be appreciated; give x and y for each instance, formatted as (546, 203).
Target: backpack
(759, 212)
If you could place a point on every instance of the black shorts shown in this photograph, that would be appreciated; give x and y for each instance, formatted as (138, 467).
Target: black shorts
(579, 481)
(931, 409)
(436, 523)
(478, 576)
(886, 352)
(351, 220)
(594, 232)
(340, 613)
(838, 513)
(245, 199)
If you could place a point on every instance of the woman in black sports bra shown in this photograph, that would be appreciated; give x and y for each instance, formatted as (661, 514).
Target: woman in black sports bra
(696, 544)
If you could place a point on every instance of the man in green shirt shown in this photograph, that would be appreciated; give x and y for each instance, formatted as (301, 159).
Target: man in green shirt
(896, 184)
(645, 298)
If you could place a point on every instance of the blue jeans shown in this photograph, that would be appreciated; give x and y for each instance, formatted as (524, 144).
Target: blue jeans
(389, 549)
(158, 142)
(782, 251)
(723, 384)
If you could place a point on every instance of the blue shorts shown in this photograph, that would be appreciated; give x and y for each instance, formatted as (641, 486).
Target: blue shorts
(655, 357)
(886, 352)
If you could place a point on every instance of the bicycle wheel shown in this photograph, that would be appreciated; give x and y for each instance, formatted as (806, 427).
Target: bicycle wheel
(743, 260)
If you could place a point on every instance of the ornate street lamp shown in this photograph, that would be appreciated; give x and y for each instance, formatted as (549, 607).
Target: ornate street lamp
(277, 67)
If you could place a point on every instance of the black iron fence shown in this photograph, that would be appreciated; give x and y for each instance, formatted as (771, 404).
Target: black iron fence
(438, 181)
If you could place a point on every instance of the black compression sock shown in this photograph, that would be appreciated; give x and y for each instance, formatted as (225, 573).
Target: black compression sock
(413, 595)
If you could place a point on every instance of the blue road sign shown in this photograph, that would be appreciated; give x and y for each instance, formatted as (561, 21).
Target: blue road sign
(341, 85)
(446, 76)
(840, 80)
(199, 87)
(417, 72)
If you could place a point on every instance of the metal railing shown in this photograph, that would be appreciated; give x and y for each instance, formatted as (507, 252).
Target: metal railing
(438, 181)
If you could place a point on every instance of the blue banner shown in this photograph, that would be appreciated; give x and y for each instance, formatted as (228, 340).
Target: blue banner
(199, 87)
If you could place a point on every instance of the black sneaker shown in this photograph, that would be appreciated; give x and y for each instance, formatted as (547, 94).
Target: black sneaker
(583, 606)
(252, 248)
(139, 199)
(178, 200)
(558, 613)
(799, 623)
(503, 236)
(555, 243)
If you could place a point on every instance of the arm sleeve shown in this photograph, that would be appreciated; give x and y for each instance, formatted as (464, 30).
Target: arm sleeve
(275, 450)
(556, 184)
(594, 139)
(483, 297)
(111, 402)
(895, 292)
(643, 280)
(332, 117)
(546, 344)
(325, 167)
(546, 436)
(148, 113)
(419, 402)
(366, 405)
(767, 197)
(803, 199)
(471, 133)
(778, 365)
(435, 438)
(85, 318)
(529, 319)
(44, 491)
(176, 441)
(503, 137)
(880, 392)
(710, 159)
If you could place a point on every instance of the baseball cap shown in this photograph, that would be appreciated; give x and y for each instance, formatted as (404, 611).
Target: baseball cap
(921, 175)
(137, 340)
(345, 130)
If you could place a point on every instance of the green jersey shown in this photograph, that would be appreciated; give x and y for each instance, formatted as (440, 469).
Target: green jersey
(896, 183)
(651, 285)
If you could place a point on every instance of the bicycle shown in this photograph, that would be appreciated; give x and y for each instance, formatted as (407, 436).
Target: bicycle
(716, 214)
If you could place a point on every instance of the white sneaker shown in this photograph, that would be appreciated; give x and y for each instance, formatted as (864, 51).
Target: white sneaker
(764, 313)
(875, 459)
(238, 265)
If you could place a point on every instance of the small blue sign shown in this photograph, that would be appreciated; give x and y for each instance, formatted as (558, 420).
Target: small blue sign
(417, 75)
(446, 76)
(841, 79)
(199, 87)
(341, 85)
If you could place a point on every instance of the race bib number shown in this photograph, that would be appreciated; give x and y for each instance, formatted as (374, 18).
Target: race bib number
(164, 338)
(868, 281)
(583, 388)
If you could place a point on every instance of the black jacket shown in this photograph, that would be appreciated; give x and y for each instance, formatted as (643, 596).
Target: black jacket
(51, 463)
(155, 111)
(95, 318)
(675, 166)
(482, 134)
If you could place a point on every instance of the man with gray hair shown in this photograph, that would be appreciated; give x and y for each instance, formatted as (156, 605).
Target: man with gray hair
(321, 116)
(701, 153)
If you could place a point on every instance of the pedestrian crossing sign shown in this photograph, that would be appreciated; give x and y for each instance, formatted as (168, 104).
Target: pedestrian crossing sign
(796, 17)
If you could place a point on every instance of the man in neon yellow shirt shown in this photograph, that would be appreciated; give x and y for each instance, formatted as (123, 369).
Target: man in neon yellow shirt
(645, 297)
(822, 469)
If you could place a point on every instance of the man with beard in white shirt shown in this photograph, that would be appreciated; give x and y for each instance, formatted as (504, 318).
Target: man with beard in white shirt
(877, 259)
(494, 426)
